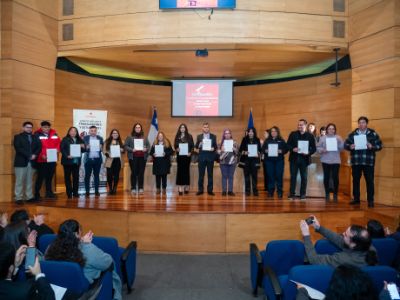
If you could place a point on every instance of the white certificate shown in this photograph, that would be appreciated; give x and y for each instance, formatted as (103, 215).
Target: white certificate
(94, 145)
(138, 144)
(302, 147)
(252, 150)
(331, 144)
(206, 145)
(360, 141)
(115, 151)
(228, 145)
(51, 155)
(183, 149)
(159, 150)
(272, 150)
(75, 150)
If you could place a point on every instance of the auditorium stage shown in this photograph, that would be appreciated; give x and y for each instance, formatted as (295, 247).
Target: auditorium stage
(203, 224)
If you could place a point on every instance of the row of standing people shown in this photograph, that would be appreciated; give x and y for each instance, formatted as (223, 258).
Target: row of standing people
(31, 151)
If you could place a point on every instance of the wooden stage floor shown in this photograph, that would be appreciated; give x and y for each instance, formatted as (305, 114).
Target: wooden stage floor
(202, 224)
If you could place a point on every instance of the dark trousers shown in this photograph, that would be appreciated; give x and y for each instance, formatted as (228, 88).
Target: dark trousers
(274, 175)
(113, 174)
(368, 171)
(138, 165)
(92, 165)
(227, 172)
(71, 179)
(331, 171)
(163, 179)
(250, 171)
(202, 170)
(296, 166)
(45, 171)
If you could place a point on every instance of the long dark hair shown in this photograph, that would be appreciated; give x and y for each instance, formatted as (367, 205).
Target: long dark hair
(133, 133)
(110, 139)
(278, 131)
(16, 234)
(247, 133)
(315, 128)
(66, 246)
(350, 283)
(375, 229)
(178, 133)
(78, 137)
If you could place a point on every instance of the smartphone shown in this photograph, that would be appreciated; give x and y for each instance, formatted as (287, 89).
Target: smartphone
(30, 257)
(393, 291)
(309, 220)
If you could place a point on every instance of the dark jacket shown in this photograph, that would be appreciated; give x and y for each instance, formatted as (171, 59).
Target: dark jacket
(86, 140)
(244, 147)
(188, 140)
(24, 150)
(367, 156)
(281, 146)
(162, 165)
(346, 256)
(41, 230)
(207, 155)
(292, 143)
(302, 294)
(22, 290)
(65, 151)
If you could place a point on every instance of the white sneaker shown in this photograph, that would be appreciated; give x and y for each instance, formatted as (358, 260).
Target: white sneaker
(133, 192)
(141, 192)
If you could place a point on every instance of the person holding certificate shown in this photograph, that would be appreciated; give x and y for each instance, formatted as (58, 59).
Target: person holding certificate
(363, 143)
(113, 149)
(206, 145)
(93, 159)
(274, 148)
(250, 149)
(47, 159)
(183, 145)
(72, 147)
(161, 152)
(329, 147)
(137, 147)
(228, 154)
(301, 145)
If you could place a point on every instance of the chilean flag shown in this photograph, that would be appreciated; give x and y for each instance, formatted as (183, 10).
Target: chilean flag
(153, 128)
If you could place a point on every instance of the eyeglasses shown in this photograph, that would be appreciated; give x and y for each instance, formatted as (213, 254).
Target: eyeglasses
(28, 127)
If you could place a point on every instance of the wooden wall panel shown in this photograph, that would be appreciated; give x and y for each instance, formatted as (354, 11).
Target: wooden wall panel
(45, 7)
(374, 19)
(355, 6)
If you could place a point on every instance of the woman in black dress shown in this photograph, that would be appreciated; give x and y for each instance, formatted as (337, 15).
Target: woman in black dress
(183, 161)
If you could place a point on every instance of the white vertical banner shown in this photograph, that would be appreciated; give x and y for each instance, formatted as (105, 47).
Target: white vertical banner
(84, 118)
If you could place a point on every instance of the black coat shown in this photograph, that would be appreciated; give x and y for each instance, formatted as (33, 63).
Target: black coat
(207, 155)
(65, 150)
(281, 146)
(244, 147)
(24, 150)
(292, 142)
(162, 165)
(31, 289)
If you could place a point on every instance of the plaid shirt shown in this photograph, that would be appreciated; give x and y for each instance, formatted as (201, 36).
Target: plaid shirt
(364, 157)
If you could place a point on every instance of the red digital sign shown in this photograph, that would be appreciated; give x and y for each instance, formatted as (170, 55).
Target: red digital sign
(197, 4)
(202, 99)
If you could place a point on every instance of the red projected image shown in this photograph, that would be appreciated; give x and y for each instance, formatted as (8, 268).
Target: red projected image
(196, 3)
(202, 99)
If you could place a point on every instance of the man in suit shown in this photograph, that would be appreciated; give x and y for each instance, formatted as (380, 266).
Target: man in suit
(37, 288)
(27, 147)
(93, 144)
(206, 159)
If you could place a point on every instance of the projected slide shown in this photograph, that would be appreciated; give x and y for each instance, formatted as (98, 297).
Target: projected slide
(202, 98)
(196, 3)
(188, 4)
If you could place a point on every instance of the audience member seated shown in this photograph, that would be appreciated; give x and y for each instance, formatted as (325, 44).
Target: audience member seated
(70, 245)
(348, 282)
(36, 288)
(375, 229)
(3, 219)
(17, 234)
(37, 223)
(355, 243)
(395, 235)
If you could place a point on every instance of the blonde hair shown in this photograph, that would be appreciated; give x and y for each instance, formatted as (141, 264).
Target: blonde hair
(167, 143)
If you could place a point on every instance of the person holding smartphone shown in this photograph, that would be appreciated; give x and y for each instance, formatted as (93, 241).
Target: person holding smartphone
(33, 289)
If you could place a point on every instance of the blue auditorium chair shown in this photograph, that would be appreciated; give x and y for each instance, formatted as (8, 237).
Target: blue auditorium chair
(124, 258)
(324, 246)
(276, 261)
(387, 249)
(378, 274)
(70, 275)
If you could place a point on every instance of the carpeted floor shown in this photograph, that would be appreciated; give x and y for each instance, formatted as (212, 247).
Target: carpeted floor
(191, 277)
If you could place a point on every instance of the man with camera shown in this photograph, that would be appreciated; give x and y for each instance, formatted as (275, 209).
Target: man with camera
(355, 244)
